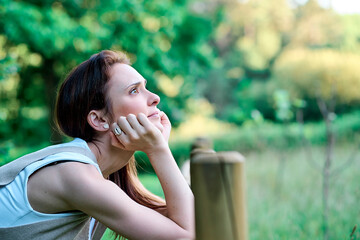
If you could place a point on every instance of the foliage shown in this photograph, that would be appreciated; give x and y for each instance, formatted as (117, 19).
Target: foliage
(225, 58)
(328, 74)
(200, 120)
(247, 41)
(253, 37)
(252, 96)
(283, 105)
(165, 42)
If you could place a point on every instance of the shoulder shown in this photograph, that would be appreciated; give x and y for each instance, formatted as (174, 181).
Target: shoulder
(83, 187)
(50, 188)
(73, 175)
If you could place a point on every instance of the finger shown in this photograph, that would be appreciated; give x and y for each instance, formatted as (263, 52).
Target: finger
(118, 138)
(116, 129)
(164, 117)
(125, 126)
(144, 121)
(134, 123)
(115, 141)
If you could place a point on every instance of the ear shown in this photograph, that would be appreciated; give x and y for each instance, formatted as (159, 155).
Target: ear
(97, 121)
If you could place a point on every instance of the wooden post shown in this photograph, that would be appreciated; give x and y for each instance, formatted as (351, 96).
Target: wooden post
(218, 183)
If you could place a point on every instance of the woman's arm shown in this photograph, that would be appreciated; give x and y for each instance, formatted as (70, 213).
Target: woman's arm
(87, 191)
(178, 196)
(140, 134)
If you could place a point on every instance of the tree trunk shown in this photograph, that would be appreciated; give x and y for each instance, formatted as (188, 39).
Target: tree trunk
(51, 81)
(326, 112)
(326, 176)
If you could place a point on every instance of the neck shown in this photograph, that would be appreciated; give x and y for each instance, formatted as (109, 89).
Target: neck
(109, 158)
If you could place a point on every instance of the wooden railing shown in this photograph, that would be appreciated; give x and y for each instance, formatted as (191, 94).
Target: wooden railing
(218, 183)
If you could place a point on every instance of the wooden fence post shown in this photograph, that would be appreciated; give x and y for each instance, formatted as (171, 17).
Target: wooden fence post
(218, 183)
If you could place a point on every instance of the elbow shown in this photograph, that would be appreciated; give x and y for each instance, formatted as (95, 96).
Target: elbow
(192, 235)
(188, 236)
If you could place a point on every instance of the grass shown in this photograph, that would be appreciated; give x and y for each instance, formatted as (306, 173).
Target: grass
(151, 182)
(291, 208)
(285, 201)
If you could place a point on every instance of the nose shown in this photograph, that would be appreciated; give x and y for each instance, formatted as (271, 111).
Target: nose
(154, 99)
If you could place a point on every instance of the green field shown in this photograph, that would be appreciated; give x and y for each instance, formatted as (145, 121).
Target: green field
(285, 200)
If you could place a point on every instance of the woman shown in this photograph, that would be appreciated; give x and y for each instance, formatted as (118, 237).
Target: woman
(105, 106)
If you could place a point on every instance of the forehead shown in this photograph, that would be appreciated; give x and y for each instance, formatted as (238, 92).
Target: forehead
(124, 75)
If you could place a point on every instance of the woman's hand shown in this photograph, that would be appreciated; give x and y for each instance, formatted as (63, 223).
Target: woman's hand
(137, 133)
(165, 122)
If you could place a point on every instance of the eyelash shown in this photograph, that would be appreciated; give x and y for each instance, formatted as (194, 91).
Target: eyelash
(134, 89)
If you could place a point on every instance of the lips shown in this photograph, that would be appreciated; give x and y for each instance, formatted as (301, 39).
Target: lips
(154, 115)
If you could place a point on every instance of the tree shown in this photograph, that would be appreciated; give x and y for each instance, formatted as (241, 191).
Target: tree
(164, 40)
(330, 77)
(322, 73)
(249, 37)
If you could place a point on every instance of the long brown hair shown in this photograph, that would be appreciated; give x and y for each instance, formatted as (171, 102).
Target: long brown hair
(84, 90)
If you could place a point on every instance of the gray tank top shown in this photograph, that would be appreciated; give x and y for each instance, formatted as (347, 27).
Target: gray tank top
(65, 228)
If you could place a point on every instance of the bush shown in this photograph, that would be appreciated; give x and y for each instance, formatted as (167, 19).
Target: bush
(255, 137)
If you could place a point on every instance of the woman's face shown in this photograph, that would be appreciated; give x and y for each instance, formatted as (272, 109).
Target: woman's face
(127, 92)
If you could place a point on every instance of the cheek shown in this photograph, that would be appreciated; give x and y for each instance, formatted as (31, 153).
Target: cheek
(126, 107)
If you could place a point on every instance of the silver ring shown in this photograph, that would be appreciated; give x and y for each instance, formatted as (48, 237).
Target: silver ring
(117, 131)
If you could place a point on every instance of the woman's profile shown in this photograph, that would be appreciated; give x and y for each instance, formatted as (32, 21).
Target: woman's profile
(104, 105)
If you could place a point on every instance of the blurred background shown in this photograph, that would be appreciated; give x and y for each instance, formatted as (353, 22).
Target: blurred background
(278, 81)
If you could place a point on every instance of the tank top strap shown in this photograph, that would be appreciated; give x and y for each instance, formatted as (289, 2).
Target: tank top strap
(9, 171)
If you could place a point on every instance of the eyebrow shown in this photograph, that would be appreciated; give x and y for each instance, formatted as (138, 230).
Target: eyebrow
(136, 84)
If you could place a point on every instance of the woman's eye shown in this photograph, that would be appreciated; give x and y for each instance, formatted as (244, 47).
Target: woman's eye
(134, 91)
